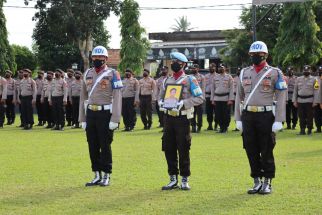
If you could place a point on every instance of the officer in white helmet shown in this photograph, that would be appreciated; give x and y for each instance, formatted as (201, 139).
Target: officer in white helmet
(260, 87)
(100, 113)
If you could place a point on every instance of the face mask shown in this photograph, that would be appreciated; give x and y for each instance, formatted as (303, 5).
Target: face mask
(77, 77)
(194, 72)
(39, 76)
(70, 75)
(7, 76)
(145, 74)
(98, 63)
(238, 73)
(57, 75)
(257, 59)
(127, 75)
(290, 73)
(220, 71)
(25, 75)
(163, 73)
(49, 78)
(306, 73)
(176, 67)
(211, 70)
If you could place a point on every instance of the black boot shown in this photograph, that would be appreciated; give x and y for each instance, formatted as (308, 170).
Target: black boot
(288, 126)
(309, 131)
(96, 179)
(257, 186)
(173, 184)
(105, 180)
(184, 183)
(69, 123)
(302, 132)
(194, 129)
(198, 129)
(318, 130)
(216, 127)
(210, 128)
(266, 187)
(293, 127)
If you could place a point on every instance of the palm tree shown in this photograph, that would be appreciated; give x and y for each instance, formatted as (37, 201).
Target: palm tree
(182, 24)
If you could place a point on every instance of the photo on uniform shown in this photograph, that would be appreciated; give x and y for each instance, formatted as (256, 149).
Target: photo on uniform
(173, 93)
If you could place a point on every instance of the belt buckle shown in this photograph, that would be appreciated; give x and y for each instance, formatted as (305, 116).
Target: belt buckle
(253, 109)
(172, 113)
(95, 107)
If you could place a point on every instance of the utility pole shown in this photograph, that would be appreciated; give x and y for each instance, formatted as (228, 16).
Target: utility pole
(254, 22)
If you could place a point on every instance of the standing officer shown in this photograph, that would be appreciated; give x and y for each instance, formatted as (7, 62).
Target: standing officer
(101, 90)
(222, 96)
(317, 108)
(40, 83)
(74, 97)
(3, 97)
(11, 98)
(58, 99)
(145, 96)
(305, 98)
(291, 111)
(130, 87)
(159, 83)
(46, 91)
(69, 109)
(236, 79)
(260, 85)
(28, 93)
(176, 136)
(18, 96)
(198, 110)
(210, 109)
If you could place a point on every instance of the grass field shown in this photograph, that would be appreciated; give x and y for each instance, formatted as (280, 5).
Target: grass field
(44, 172)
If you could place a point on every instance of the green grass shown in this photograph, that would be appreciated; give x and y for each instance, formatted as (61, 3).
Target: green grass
(44, 172)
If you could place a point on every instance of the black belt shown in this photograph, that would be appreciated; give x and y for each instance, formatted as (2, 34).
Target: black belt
(221, 94)
(234, 94)
(290, 91)
(305, 97)
(208, 93)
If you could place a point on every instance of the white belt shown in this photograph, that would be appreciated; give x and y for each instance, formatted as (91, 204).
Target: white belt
(99, 107)
(258, 108)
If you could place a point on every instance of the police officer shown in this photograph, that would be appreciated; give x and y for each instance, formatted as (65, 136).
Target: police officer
(11, 98)
(69, 109)
(236, 80)
(46, 91)
(317, 108)
(210, 109)
(222, 96)
(28, 93)
(3, 97)
(305, 98)
(145, 96)
(58, 99)
(198, 110)
(18, 96)
(159, 83)
(101, 90)
(176, 136)
(291, 111)
(260, 85)
(40, 83)
(74, 97)
(130, 87)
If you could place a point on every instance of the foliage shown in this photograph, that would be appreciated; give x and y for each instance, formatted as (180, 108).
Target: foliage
(24, 57)
(297, 43)
(133, 45)
(182, 25)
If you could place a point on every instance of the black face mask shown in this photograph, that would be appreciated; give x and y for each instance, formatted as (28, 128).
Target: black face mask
(290, 73)
(145, 74)
(194, 72)
(98, 63)
(163, 73)
(25, 75)
(7, 76)
(211, 70)
(70, 75)
(220, 71)
(39, 76)
(77, 77)
(176, 67)
(49, 78)
(238, 73)
(57, 75)
(127, 75)
(306, 73)
(257, 59)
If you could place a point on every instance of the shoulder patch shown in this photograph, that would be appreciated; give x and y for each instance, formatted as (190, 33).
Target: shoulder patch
(116, 81)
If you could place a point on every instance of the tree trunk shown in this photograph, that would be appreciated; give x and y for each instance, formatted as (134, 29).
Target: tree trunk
(85, 46)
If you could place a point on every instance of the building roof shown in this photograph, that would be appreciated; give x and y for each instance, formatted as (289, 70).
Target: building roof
(188, 36)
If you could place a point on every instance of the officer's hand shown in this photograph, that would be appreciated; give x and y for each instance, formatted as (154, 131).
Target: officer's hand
(18, 102)
(160, 103)
(65, 103)
(2, 101)
(14, 102)
(230, 102)
(179, 106)
(295, 104)
(213, 103)
(41, 101)
(50, 103)
(314, 105)
(84, 125)
(33, 102)
(239, 126)
(277, 126)
(113, 125)
(136, 103)
(321, 106)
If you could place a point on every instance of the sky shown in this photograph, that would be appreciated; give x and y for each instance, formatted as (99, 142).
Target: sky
(217, 17)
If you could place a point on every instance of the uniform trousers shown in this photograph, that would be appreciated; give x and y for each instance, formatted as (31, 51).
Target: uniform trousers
(160, 114)
(305, 111)
(210, 111)
(48, 115)
(318, 117)
(69, 111)
(259, 142)
(146, 109)
(40, 110)
(128, 112)
(27, 110)
(99, 138)
(223, 114)
(58, 110)
(2, 112)
(291, 114)
(10, 110)
(197, 114)
(176, 140)
(75, 109)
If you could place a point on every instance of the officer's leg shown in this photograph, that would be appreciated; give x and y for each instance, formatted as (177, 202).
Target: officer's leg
(61, 112)
(12, 111)
(209, 112)
(30, 115)
(23, 111)
(38, 108)
(199, 113)
(68, 109)
(288, 113)
(143, 111)
(301, 112)
(294, 116)
(158, 112)
(2, 112)
(7, 112)
(219, 114)
(132, 114)
(92, 139)
(76, 106)
(226, 116)
(124, 113)
(183, 139)
(309, 113)
(149, 111)
(193, 121)
(317, 118)
(54, 109)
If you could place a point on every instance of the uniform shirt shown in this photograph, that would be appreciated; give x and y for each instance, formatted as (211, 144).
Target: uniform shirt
(69, 82)
(290, 86)
(147, 86)
(306, 86)
(159, 84)
(39, 84)
(201, 81)
(75, 88)
(320, 90)
(103, 93)
(27, 87)
(189, 100)
(222, 84)
(11, 87)
(46, 90)
(17, 87)
(208, 83)
(3, 88)
(58, 88)
(236, 81)
(265, 93)
(130, 87)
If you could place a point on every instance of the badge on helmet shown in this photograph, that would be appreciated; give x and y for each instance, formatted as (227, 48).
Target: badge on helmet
(258, 46)
(100, 51)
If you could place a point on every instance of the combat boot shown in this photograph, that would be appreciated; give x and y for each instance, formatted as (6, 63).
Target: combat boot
(266, 187)
(257, 186)
(210, 128)
(184, 183)
(309, 132)
(288, 126)
(302, 132)
(194, 129)
(173, 184)
(318, 130)
(105, 180)
(198, 129)
(96, 179)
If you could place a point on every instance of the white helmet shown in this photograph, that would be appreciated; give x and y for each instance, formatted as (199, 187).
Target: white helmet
(258, 46)
(100, 51)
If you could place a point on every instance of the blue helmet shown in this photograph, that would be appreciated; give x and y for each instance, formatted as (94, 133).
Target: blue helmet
(178, 56)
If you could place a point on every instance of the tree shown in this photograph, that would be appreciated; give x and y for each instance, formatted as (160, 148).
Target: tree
(24, 57)
(7, 60)
(182, 25)
(79, 20)
(133, 45)
(297, 43)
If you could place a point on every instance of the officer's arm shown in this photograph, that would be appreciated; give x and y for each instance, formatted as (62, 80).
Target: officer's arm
(316, 92)
(155, 91)
(70, 92)
(239, 98)
(231, 89)
(83, 97)
(194, 100)
(5, 89)
(65, 90)
(14, 91)
(137, 91)
(280, 110)
(116, 105)
(34, 95)
(212, 89)
(294, 99)
(203, 86)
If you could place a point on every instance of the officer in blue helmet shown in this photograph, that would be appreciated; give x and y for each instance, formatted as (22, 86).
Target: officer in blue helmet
(176, 136)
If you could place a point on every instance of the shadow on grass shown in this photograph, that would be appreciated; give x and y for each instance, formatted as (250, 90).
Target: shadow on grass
(315, 153)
